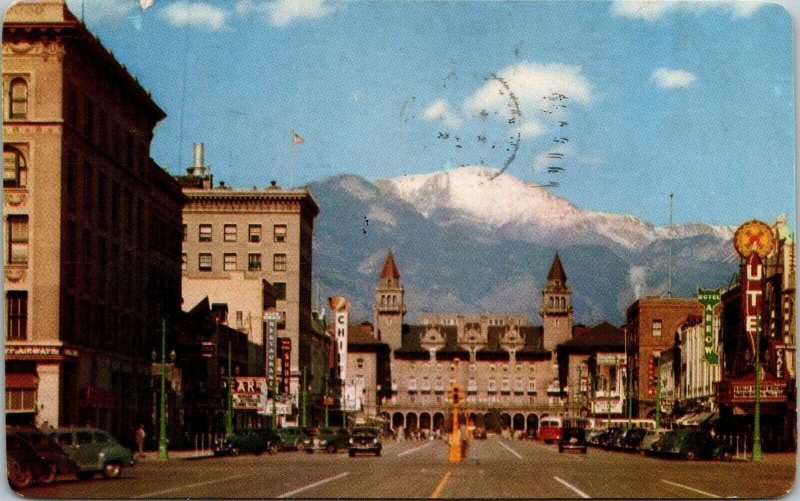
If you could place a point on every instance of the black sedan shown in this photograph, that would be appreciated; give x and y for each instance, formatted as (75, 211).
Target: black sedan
(365, 440)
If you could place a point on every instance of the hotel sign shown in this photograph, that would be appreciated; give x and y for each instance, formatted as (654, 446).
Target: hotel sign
(770, 392)
(709, 298)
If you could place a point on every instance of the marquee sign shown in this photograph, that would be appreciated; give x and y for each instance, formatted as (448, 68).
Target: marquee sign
(753, 299)
(341, 308)
(40, 351)
(709, 298)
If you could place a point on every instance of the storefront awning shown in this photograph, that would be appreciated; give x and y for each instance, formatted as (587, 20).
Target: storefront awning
(22, 381)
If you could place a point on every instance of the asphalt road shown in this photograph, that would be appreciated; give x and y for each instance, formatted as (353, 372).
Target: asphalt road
(493, 468)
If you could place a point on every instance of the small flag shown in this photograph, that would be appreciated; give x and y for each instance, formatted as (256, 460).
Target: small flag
(146, 4)
(296, 138)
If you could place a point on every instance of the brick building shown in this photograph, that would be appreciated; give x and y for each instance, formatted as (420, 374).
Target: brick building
(92, 225)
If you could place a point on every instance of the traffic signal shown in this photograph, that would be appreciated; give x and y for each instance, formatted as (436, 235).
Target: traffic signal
(455, 394)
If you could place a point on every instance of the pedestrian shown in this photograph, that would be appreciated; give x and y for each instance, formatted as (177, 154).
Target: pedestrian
(140, 436)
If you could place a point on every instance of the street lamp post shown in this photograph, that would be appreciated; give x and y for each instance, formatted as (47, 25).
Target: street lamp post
(658, 393)
(229, 406)
(757, 410)
(162, 427)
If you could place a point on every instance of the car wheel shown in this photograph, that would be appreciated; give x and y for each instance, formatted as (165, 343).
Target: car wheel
(310, 450)
(112, 470)
(19, 476)
(560, 449)
(299, 445)
(352, 453)
(331, 449)
(85, 475)
(234, 450)
(377, 454)
(47, 475)
(691, 454)
(273, 448)
(583, 451)
(726, 456)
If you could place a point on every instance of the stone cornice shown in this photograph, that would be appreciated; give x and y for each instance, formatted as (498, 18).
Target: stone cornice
(253, 201)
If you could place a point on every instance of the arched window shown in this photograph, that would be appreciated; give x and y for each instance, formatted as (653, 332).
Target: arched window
(563, 302)
(18, 97)
(551, 301)
(15, 169)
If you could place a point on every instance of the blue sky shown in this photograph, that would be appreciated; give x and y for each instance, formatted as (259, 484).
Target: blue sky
(658, 97)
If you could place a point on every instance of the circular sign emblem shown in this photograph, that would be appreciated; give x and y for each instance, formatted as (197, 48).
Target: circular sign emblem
(754, 236)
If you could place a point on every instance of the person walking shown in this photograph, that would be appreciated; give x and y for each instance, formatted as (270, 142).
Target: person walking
(140, 436)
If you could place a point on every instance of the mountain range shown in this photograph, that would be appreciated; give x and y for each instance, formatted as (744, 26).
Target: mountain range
(472, 240)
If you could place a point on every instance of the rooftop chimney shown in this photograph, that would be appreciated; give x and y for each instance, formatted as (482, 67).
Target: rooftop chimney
(199, 168)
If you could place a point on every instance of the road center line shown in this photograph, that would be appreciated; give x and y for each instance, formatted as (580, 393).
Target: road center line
(573, 488)
(509, 449)
(415, 449)
(315, 484)
(692, 489)
(441, 485)
(159, 494)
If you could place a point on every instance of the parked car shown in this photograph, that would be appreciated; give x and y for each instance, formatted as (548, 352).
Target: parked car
(610, 436)
(94, 451)
(592, 435)
(632, 438)
(327, 439)
(692, 444)
(365, 439)
(572, 439)
(651, 437)
(47, 448)
(292, 437)
(255, 440)
(25, 466)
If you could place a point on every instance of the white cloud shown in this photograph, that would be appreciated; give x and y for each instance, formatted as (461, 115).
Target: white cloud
(283, 12)
(198, 14)
(653, 10)
(529, 129)
(673, 79)
(530, 84)
(440, 111)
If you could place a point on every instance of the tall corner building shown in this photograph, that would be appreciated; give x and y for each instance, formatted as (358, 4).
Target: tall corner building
(92, 227)
(236, 244)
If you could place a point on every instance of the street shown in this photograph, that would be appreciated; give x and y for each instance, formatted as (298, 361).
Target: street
(493, 468)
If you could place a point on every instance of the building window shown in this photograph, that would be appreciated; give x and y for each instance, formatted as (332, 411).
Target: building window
(15, 169)
(230, 233)
(280, 290)
(531, 386)
(18, 104)
(20, 400)
(656, 328)
(17, 315)
(280, 233)
(205, 232)
(254, 233)
(90, 119)
(254, 262)
(239, 320)
(184, 232)
(281, 325)
(359, 363)
(87, 185)
(183, 261)
(229, 262)
(492, 386)
(279, 262)
(204, 261)
(17, 239)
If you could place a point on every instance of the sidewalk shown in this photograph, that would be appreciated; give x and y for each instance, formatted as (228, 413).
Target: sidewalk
(181, 454)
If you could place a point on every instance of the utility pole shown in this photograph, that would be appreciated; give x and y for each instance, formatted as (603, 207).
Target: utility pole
(608, 399)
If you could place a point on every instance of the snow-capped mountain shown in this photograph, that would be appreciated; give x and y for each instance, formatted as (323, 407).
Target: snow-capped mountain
(527, 210)
(469, 240)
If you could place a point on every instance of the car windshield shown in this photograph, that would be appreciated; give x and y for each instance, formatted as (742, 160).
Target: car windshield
(364, 432)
